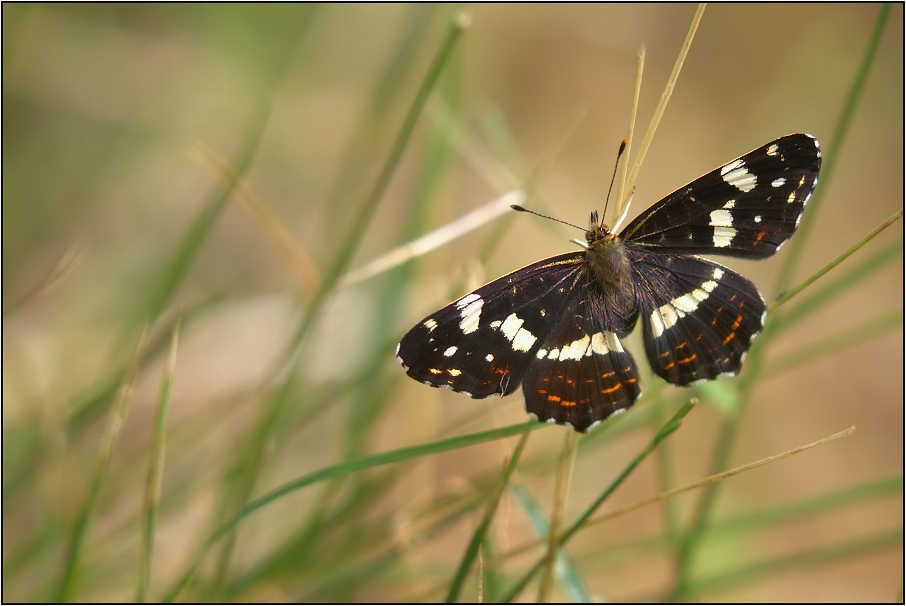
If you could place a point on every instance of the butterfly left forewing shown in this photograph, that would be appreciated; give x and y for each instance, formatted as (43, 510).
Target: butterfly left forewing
(747, 208)
(482, 343)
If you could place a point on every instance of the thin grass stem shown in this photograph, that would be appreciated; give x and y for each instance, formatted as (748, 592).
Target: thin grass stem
(156, 470)
(102, 462)
(672, 425)
(474, 547)
(662, 103)
(561, 491)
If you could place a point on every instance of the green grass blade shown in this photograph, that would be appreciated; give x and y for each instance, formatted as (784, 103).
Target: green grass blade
(249, 459)
(703, 509)
(105, 450)
(346, 468)
(672, 425)
(879, 488)
(156, 472)
(175, 271)
(478, 536)
(834, 343)
(797, 246)
(841, 284)
(363, 217)
(808, 558)
(817, 275)
(568, 575)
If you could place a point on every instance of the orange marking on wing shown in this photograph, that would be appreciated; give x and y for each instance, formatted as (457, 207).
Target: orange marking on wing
(760, 235)
(729, 338)
(687, 360)
(542, 391)
(608, 374)
(553, 398)
(669, 366)
(737, 323)
(612, 389)
(565, 403)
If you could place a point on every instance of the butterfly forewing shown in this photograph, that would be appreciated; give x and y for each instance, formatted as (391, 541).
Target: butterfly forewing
(483, 343)
(746, 208)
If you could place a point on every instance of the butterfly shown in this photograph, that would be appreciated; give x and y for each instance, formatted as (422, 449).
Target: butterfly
(555, 326)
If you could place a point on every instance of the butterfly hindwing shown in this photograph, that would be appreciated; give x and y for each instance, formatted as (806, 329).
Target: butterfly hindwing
(581, 374)
(698, 317)
(746, 208)
(482, 344)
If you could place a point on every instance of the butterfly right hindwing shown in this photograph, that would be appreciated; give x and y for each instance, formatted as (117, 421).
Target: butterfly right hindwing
(698, 317)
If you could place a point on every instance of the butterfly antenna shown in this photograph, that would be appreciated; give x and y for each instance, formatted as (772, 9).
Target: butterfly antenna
(525, 210)
(612, 179)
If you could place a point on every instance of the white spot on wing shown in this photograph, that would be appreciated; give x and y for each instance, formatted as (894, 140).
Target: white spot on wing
(657, 325)
(454, 372)
(772, 149)
(430, 324)
(721, 218)
(489, 357)
(758, 218)
(575, 350)
(450, 351)
(613, 342)
(521, 339)
(470, 312)
(730, 204)
(464, 302)
(667, 315)
(736, 174)
(723, 236)
(599, 344)
(778, 182)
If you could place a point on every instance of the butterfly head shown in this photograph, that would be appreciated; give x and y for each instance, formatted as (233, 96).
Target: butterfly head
(597, 230)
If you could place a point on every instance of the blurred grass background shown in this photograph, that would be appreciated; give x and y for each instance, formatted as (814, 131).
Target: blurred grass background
(114, 216)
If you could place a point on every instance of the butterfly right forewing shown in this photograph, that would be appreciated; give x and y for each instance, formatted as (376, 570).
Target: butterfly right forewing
(747, 208)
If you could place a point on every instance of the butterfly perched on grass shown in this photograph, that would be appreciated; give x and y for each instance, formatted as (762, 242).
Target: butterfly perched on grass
(555, 326)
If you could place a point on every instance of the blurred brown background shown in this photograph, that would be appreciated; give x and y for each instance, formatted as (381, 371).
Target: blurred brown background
(103, 109)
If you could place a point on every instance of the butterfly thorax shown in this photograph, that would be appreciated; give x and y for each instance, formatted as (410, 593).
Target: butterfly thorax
(609, 272)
